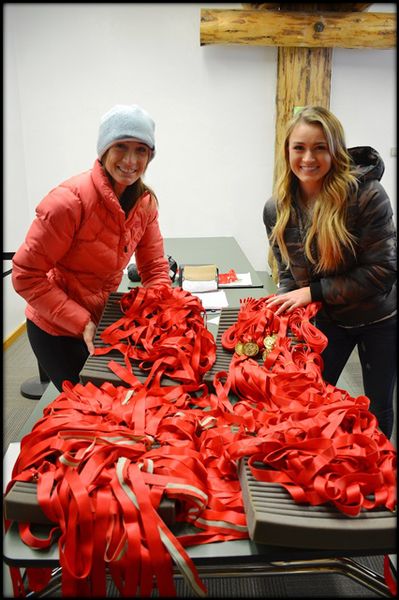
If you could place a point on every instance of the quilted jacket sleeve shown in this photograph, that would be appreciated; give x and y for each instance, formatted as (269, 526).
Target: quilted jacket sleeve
(152, 265)
(49, 238)
(375, 269)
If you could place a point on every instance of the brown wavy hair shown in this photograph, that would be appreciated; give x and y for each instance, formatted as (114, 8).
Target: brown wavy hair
(133, 192)
(328, 228)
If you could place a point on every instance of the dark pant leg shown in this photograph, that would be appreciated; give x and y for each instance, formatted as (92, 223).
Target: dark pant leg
(61, 357)
(377, 353)
(337, 352)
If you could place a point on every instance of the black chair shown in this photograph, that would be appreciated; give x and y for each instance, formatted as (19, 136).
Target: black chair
(34, 387)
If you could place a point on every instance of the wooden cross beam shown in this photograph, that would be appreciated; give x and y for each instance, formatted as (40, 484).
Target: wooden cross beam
(310, 29)
(305, 34)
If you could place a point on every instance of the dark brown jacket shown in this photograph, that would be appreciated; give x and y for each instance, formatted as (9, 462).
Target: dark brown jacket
(363, 288)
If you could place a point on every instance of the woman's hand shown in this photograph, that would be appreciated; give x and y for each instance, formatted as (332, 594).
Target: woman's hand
(290, 300)
(88, 336)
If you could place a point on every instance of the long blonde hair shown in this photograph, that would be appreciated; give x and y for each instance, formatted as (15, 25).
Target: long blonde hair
(328, 227)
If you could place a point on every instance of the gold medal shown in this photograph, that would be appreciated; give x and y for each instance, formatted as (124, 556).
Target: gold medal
(265, 354)
(269, 341)
(239, 348)
(250, 349)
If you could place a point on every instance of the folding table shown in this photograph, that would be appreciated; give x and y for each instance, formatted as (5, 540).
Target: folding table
(374, 535)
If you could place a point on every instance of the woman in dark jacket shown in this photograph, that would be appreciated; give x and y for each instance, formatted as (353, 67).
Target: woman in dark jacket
(330, 226)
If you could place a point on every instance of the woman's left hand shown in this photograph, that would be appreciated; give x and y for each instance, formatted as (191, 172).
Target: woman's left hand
(290, 300)
(88, 336)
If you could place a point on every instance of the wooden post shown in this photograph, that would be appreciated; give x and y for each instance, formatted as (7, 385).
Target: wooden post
(305, 34)
(303, 77)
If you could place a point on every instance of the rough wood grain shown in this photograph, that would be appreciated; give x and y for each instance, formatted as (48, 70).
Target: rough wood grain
(311, 6)
(291, 29)
(303, 77)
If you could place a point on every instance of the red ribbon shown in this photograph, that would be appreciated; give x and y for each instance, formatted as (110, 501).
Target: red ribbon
(228, 277)
(103, 458)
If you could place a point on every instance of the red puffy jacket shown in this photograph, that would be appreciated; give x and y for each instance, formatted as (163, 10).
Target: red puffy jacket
(76, 249)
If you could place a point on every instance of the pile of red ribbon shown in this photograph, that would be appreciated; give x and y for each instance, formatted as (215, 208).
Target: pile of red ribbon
(163, 329)
(104, 458)
(321, 444)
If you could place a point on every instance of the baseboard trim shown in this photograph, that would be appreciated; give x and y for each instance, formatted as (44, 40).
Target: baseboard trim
(14, 336)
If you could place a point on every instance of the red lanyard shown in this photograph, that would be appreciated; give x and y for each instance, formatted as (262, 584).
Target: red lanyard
(103, 458)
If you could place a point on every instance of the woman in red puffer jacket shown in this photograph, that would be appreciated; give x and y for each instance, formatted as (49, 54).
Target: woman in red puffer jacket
(83, 236)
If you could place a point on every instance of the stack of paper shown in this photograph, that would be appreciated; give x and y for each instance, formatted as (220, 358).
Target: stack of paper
(213, 300)
(199, 286)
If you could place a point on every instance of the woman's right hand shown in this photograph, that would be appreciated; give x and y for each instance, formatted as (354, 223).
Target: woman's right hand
(88, 336)
(288, 301)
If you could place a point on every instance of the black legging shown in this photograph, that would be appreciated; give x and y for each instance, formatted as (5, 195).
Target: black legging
(376, 345)
(60, 356)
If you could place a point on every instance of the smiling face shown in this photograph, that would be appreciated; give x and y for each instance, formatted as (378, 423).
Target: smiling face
(309, 157)
(126, 162)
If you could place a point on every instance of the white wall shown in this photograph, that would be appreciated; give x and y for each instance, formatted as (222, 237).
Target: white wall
(214, 107)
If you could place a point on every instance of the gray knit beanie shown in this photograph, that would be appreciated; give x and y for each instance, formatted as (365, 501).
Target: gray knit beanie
(124, 123)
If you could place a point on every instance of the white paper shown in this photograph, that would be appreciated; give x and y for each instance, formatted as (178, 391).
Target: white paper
(9, 461)
(199, 286)
(214, 320)
(244, 280)
(213, 300)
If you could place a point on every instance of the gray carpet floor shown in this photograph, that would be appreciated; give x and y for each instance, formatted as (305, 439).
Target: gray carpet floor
(19, 364)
